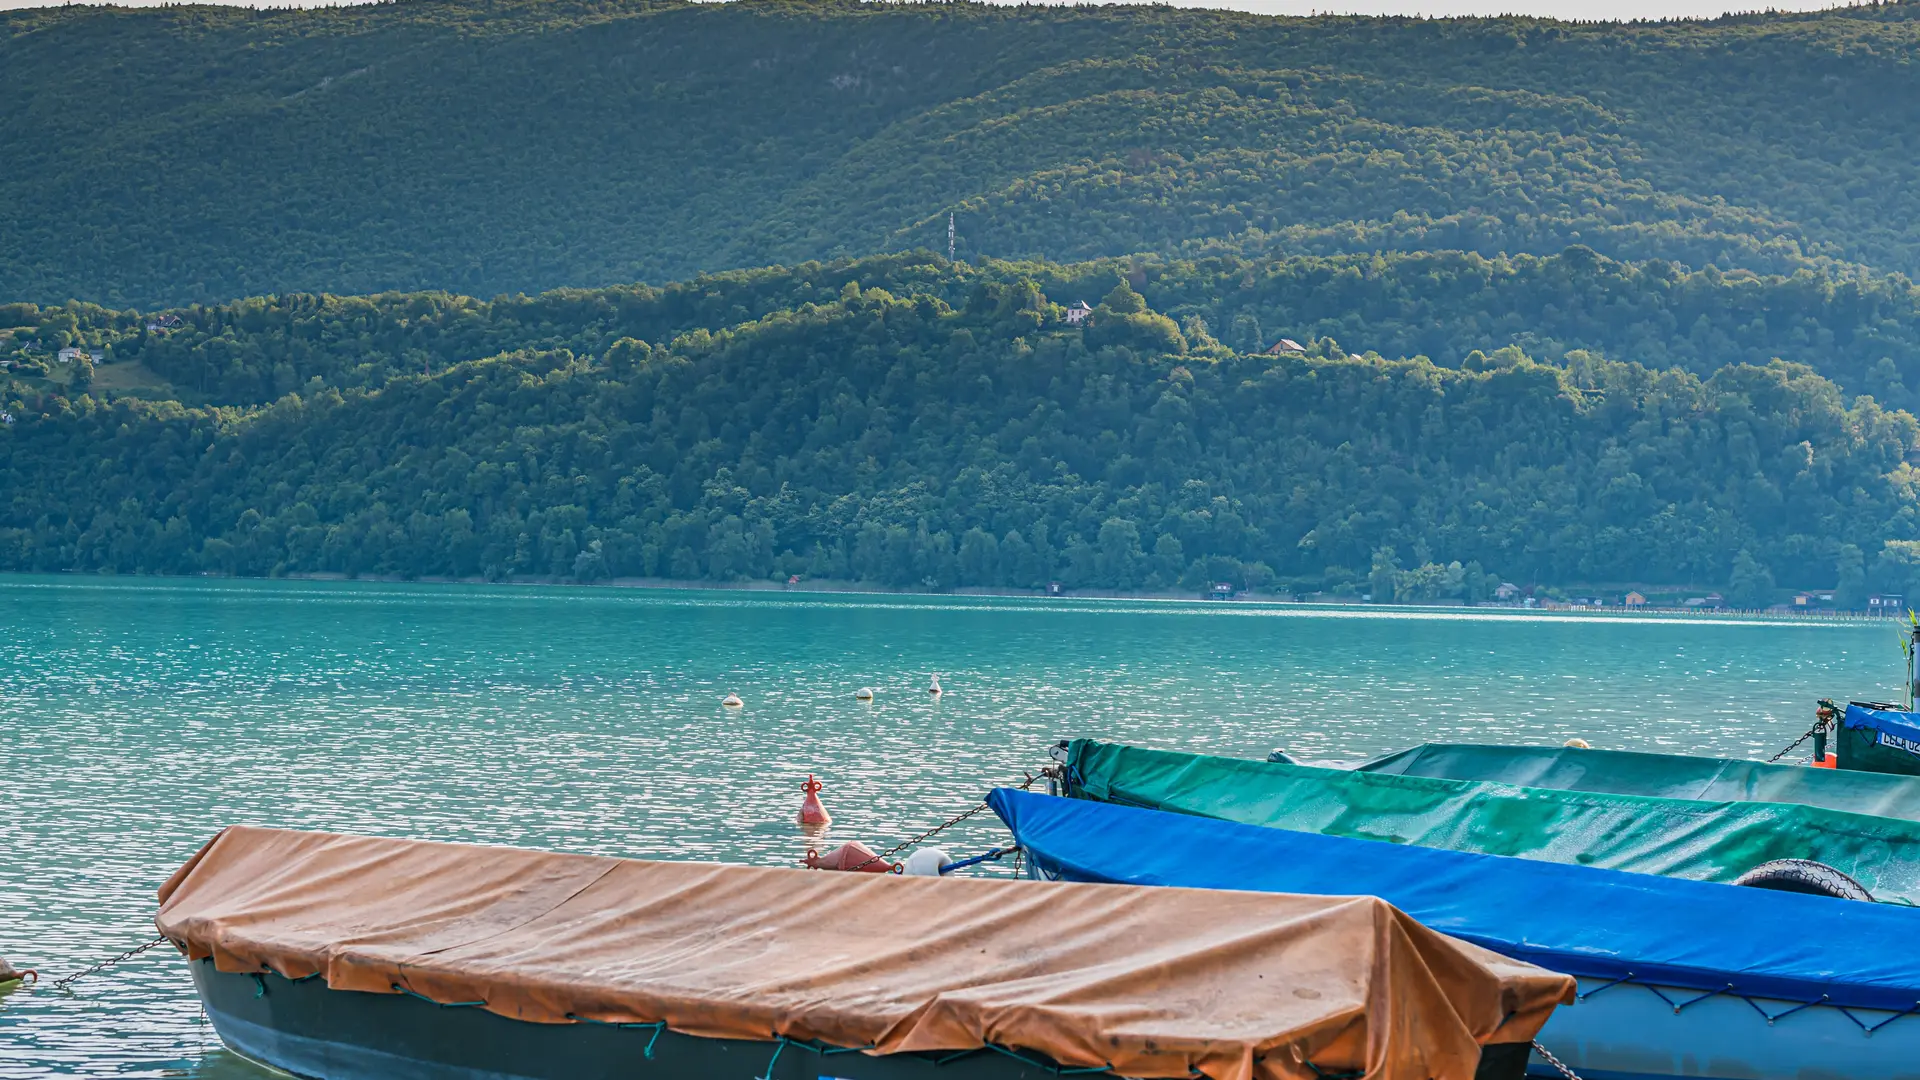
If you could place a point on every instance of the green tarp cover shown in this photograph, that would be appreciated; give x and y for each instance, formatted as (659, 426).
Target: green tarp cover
(1665, 776)
(1704, 841)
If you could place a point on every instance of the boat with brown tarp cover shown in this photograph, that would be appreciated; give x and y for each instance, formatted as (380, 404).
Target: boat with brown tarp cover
(346, 957)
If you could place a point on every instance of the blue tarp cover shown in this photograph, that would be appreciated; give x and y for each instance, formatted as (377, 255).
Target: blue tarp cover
(1578, 920)
(1902, 726)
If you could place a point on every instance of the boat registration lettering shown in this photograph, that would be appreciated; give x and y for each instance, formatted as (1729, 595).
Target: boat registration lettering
(1898, 743)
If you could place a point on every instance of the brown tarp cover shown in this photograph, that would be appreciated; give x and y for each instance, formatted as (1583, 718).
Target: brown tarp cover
(1147, 980)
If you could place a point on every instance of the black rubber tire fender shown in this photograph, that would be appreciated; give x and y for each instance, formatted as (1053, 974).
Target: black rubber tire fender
(1804, 876)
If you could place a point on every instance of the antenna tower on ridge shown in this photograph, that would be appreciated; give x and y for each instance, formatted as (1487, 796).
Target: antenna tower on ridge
(949, 237)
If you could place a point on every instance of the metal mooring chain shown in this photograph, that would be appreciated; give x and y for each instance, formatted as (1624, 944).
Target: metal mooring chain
(1554, 1061)
(105, 964)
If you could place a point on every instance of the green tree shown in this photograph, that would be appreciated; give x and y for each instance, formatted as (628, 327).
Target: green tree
(979, 558)
(1384, 576)
(1751, 583)
(1897, 570)
(1120, 558)
(1850, 592)
(1122, 300)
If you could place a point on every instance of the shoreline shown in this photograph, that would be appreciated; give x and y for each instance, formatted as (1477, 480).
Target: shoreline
(823, 586)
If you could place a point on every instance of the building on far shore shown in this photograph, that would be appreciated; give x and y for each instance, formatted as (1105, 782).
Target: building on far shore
(1634, 599)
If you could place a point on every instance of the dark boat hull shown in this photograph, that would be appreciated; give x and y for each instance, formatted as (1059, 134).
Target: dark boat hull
(308, 1030)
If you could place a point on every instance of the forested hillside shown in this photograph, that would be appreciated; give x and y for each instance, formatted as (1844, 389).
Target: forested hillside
(901, 440)
(166, 156)
(1861, 331)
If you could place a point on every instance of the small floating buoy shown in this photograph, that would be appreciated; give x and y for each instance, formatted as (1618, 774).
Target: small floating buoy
(865, 693)
(1579, 744)
(732, 701)
(926, 862)
(11, 977)
(811, 812)
(854, 856)
(935, 688)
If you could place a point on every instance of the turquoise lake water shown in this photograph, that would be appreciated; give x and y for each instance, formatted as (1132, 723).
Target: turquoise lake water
(138, 716)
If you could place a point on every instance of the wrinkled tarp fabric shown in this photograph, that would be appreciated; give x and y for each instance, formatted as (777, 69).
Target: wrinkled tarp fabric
(1705, 841)
(1600, 924)
(1240, 985)
(1878, 742)
(1662, 776)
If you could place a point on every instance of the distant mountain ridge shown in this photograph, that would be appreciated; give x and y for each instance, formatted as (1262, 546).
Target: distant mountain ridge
(197, 154)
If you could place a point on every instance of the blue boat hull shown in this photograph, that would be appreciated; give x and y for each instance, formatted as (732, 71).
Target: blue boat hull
(1628, 1032)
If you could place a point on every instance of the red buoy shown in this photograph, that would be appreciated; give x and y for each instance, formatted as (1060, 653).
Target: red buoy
(811, 812)
(854, 856)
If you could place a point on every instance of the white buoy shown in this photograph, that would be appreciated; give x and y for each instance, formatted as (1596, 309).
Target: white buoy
(732, 701)
(935, 688)
(926, 862)
(865, 693)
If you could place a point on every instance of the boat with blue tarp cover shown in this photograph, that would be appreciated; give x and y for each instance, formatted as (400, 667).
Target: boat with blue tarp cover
(1677, 978)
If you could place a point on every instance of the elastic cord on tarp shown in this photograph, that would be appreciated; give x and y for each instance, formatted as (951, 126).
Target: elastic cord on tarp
(1869, 1029)
(442, 1004)
(658, 1026)
(260, 977)
(1049, 1067)
(782, 1042)
(1824, 1001)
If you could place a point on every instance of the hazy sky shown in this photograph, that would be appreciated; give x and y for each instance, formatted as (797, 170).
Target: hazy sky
(1564, 9)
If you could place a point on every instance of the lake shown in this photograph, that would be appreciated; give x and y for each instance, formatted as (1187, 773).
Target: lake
(138, 716)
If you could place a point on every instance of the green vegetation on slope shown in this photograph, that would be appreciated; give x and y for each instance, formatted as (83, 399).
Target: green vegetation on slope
(904, 441)
(149, 157)
(1863, 332)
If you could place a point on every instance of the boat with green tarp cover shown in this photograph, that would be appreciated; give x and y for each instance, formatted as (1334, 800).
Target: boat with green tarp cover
(362, 958)
(1663, 776)
(1718, 841)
